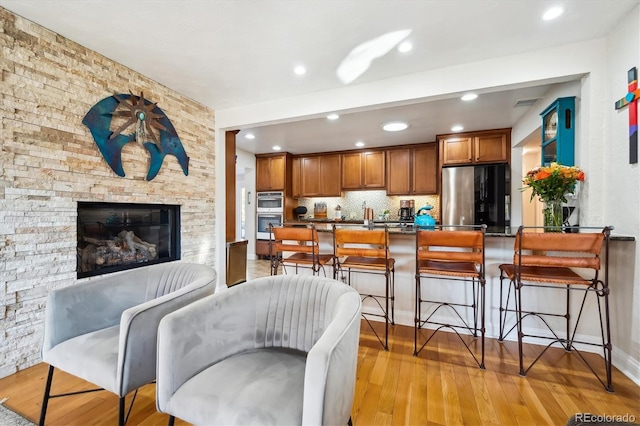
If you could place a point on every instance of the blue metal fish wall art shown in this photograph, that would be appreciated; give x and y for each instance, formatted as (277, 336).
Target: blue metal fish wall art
(147, 118)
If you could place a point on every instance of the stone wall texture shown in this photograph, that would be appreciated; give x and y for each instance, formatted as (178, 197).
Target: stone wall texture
(49, 162)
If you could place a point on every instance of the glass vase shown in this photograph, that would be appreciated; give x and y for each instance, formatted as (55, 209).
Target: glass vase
(553, 216)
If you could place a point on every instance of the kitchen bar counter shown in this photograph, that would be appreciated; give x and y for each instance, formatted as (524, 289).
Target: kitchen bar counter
(326, 225)
(498, 250)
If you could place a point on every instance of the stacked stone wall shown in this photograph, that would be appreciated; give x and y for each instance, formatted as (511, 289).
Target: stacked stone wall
(49, 162)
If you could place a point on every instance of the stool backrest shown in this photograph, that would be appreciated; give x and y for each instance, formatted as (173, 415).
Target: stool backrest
(295, 239)
(361, 242)
(437, 245)
(557, 249)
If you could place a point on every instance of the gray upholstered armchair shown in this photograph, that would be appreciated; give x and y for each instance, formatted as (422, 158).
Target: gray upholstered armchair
(276, 350)
(104, 331)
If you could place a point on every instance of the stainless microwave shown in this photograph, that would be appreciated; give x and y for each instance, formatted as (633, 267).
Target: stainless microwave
(269, 202)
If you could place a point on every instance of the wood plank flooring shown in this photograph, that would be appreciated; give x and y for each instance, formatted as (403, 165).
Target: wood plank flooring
(442, 386)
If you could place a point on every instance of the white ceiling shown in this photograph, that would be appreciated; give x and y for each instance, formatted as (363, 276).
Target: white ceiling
(228, 54)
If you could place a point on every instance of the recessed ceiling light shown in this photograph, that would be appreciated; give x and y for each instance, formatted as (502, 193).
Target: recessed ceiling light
(250, 136)
(300, 70)
(276, 148)
(333, 116)
(395, 126)
(469, 97)
(405, 46)
(359, 144)
(552, 13)
(457, 128)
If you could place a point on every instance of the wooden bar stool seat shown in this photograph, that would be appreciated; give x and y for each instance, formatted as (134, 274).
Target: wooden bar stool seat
(548, 261)
(296, 246)
(454, 255)
(361, 251)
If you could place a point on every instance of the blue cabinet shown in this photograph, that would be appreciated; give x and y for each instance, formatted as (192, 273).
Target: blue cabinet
(558, 132)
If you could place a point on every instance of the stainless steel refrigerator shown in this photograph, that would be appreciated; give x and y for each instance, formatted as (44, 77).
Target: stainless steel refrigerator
(476, 195)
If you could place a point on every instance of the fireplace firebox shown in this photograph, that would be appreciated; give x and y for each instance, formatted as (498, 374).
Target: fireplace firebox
(117, 236)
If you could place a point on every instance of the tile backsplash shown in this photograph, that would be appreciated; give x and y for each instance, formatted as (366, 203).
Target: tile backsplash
(353, 204)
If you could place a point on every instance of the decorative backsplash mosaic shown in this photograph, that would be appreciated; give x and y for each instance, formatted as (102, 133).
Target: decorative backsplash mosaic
(353, 204)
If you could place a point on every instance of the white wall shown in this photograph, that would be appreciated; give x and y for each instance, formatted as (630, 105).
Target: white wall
(620, 196)
(247, 161)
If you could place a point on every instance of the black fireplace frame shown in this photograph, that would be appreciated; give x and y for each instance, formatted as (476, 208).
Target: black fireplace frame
(128, 213)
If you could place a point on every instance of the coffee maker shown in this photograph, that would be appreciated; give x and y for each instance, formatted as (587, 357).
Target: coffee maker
(407, 211)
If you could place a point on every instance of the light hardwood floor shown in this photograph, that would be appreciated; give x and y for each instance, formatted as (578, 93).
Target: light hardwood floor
(442, 386)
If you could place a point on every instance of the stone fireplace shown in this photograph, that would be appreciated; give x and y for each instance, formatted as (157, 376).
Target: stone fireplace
(117, 236)
(51, 166)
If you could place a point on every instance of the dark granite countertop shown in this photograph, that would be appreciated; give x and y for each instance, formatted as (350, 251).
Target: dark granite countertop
(396, 227)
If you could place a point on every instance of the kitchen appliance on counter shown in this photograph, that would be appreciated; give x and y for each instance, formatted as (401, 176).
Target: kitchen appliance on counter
(407, 211)
(423, 219)
(476, 195)
(300, 211)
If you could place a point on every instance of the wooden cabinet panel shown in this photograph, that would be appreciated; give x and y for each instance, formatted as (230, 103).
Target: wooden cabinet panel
(262, 248)
(425, 170)
(363, 170)
(278, 175)
(399, 172)
(311, 177)
(271, 173)
(330, 175)
(373, 173)
(487, 146)
(456, 150)
(491, 148)
(351, 171)
(296, 178)
(413, 171)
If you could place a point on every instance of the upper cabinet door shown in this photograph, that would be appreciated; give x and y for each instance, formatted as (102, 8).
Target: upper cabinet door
(330, 175)
(271, 173)
(311, 177)
(456, 150)
(491, 148)
(351, 171)
(399, 172)
(486, 146)
(296, 178)
(425, 170)
(374, 170)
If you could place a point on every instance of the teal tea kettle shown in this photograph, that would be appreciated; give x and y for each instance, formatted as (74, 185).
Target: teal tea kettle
(423, 219)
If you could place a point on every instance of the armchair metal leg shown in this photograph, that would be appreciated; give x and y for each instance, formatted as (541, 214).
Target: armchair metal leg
(45, 398)
(171, 421)
(121, 412)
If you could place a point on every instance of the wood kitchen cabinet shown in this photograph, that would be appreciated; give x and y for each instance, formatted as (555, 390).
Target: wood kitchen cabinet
(491, 146)
(363, 170)
(316, 176)
(296, 177)
(413, 171)
(271, 172)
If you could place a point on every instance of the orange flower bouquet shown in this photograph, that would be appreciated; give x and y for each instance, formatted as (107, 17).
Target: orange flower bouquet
(551, 184)
(554, 182)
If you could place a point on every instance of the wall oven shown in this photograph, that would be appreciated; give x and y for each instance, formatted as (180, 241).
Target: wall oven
(263, 221)
(269, 202)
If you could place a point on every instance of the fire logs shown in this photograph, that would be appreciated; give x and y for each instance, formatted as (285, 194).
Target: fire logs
(125, 248)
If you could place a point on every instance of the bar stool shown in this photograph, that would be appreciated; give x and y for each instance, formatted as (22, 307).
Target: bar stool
(545, 261)
(300, 243)
(455, 254)
(366, 251)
